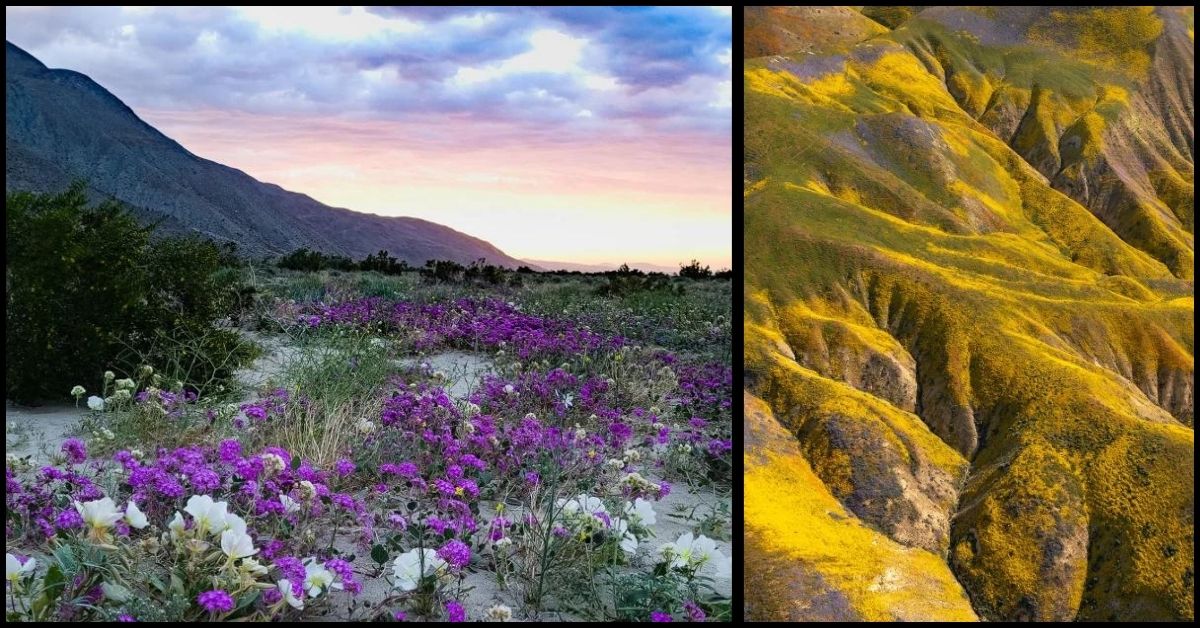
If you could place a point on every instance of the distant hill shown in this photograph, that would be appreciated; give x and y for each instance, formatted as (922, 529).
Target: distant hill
(61, 126)
(599, 268)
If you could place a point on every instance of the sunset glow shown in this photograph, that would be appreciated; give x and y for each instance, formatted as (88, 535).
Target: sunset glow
(588, 135)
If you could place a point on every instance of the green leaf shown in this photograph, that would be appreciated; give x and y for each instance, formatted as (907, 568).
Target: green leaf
(295, 462)
(115, 592)
(246, 600)
(379, 554)
(53, 584)
(65, 556)
(177, 585)
(157, 583)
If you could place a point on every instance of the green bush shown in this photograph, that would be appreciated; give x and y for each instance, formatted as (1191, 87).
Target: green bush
(304, 259)
(695, 271)
(89, 289)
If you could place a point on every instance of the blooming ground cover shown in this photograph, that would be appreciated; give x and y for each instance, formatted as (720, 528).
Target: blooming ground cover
(357, 486)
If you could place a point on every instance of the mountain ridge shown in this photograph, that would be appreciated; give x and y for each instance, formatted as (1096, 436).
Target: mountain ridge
(62, 126)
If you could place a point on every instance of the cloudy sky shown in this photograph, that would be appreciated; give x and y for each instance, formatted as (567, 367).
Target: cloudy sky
(589, 134)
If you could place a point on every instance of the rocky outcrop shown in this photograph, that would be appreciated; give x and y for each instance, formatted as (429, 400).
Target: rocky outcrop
(809, 559)
(881, 463)
(1027, 514)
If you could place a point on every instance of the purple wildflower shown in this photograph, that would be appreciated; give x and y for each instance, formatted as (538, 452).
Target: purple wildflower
(204, 480)
(456, 553)
(271, 597)
(229, 451)
(694, 612)
(344, 467)
(292, 569)
(660, 616)
(215, 601)
(455, 611)
(75, 450)
(69, 519)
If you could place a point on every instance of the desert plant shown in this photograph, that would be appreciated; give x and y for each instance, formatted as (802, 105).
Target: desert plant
(84, 281)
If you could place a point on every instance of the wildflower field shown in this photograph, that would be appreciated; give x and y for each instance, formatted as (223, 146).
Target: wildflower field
(538, 448)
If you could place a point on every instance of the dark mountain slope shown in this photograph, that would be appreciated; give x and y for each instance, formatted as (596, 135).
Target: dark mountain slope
(61, 126)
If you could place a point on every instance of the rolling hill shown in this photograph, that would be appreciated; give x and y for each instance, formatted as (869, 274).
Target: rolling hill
(969, 261)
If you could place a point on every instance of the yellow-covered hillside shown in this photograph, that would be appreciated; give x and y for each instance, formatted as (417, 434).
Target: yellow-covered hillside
(969, 261)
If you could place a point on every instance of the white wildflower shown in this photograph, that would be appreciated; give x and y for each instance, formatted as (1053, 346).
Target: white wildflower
(254, 567)
(641, 511)
(318, 579)
(285, 587)
(413, 565)
(177, 526)
(78, 392)
(134, 516)
(289, 505)
(100, 513)
(499, 612)
(628, 542)
(272, 464)
(692, 552)
(14, 570)
(237, 544)
(208, 515)
(95, 403)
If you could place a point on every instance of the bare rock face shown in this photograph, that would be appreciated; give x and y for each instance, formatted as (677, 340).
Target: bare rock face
(910, 501)
(861, 356)
(881, 463)
(809, 559)
(779, 29)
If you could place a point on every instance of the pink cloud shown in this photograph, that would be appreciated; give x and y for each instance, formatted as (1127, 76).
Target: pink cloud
(580, 195)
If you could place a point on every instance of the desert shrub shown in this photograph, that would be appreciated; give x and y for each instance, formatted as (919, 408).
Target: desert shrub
(305, 259)
(383, 263)
(624, 285)
(695, 271)
(442, 271)
(481, 271)
(86, 284)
